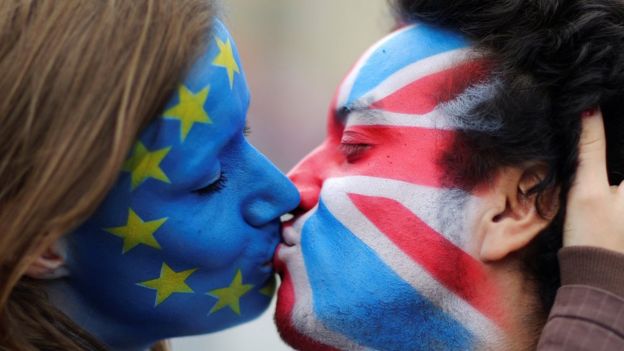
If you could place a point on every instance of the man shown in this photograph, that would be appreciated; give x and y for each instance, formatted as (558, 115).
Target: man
(430, 216)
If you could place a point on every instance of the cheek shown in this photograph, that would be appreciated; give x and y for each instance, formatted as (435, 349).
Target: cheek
(204, 243)
(209, 234)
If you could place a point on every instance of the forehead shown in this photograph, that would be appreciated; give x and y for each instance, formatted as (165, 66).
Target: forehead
(405, 56)
(207, 108)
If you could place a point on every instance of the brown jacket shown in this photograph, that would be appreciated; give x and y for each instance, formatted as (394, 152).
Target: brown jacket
(589, 309)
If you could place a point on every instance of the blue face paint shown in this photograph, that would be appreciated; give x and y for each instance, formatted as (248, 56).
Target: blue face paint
(183, 242)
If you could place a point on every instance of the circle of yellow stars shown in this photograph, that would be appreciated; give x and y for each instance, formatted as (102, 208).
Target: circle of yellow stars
(144, 164)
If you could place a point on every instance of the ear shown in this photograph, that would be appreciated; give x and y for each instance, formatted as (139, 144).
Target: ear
(50, 264)
(511, 218)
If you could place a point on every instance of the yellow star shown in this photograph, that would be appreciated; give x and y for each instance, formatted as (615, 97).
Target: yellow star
(269, 288)
(144, 164)
(230, 296)
(189, 110)
(226, 59)
(136, 232)
(168, 283)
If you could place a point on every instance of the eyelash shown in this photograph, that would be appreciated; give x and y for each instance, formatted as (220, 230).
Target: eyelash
(213, 187)
(353, 151)
(246, 131)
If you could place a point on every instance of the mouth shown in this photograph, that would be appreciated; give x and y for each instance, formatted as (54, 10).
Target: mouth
(270, 261)
(287, 242)
(292, 227)
(290, 237)
(267, 265)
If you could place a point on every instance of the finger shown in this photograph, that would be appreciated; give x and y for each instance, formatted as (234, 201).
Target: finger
(592, 169)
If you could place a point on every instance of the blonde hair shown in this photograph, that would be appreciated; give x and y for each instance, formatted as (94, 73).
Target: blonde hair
(79, 80)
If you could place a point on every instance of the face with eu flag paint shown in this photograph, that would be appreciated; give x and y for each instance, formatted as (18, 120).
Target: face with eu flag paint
(379, 255)
(183, 243)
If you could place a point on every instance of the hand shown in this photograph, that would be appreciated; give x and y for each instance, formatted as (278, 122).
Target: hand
(595, 212)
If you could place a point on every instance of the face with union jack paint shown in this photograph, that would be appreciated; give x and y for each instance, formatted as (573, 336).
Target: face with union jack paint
(380, 255)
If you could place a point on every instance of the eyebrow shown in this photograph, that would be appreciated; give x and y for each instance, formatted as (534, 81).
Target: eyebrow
(359, 111)
(348, 108)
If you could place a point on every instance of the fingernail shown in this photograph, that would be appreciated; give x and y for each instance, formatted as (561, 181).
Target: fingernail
(589, 112)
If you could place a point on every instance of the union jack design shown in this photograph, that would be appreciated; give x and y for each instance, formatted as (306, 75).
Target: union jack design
(381, 261)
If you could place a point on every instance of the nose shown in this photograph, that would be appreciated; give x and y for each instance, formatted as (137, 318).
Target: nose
(271, 194)
(308, 176)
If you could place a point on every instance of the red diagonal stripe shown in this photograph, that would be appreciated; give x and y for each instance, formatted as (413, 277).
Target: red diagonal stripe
(410, 154)
(423, 95)
(448, 264)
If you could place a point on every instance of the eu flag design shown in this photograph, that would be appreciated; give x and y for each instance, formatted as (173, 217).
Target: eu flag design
(176, 257)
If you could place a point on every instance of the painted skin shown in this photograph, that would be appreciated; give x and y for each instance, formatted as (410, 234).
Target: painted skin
(378, 256)
(183, 242)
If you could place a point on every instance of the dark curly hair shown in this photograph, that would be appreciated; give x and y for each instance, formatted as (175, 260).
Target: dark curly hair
(551, 60)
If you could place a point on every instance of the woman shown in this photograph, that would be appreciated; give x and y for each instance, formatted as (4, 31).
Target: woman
(132, 207)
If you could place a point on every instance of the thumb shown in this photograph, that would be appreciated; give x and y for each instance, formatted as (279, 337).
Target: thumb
(592, 168)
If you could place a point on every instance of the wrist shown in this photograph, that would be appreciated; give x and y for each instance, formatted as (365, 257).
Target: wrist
(592, 266)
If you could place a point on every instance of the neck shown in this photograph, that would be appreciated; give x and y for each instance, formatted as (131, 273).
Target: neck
(523, 319)
(113, 333)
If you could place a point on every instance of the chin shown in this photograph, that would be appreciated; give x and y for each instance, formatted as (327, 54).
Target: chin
(284, 317)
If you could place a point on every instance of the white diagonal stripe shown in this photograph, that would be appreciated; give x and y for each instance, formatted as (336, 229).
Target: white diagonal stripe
(435, 119)
(347, 84)
(417, 70)
(335, 197)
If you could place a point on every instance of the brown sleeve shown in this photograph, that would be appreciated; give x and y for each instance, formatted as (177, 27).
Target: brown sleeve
(588, 313)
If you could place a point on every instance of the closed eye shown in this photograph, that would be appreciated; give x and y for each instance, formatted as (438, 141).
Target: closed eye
(353, 152)
(213, 187)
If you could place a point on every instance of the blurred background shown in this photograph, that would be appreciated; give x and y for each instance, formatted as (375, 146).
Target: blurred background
(294, 53)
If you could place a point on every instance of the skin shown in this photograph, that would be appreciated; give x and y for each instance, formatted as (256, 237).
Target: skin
(383, 253)
(588, 192)
(595, 208)
(335, 294)
(183, 242)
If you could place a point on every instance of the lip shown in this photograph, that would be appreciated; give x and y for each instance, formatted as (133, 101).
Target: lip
(278, 265)
(290, 236)
(288, 241)
(268, 264)
(291, 229)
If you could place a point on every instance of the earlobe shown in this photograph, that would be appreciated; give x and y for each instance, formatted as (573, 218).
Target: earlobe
(50, 264)
(513, 217)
